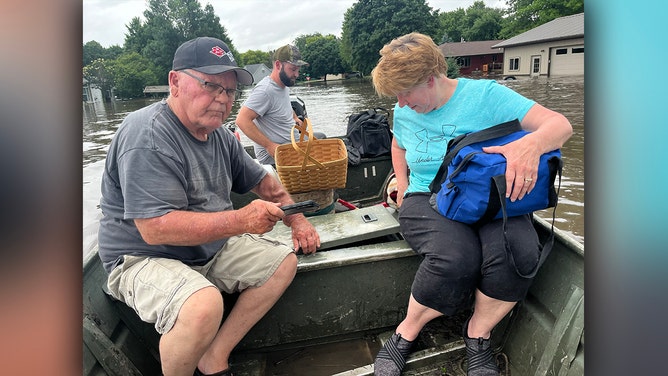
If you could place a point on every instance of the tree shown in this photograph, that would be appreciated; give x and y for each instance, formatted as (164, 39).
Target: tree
(101, 74)
(136, 37)
(369, 24)
(93, 50)
(453, 67)
(483, 23)
(477, 22)
(132, 72)
(147, 55)
(523, 15)
(256, 57)
(322, 53)
(168, 24)
(453, 24)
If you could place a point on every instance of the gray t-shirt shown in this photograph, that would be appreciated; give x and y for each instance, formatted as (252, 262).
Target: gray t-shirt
(154, 166)
(275, 116)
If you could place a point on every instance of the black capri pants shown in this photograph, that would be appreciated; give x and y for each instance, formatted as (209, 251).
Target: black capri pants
(458, 258)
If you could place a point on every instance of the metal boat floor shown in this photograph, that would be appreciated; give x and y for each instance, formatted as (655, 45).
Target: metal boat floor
(439, 350)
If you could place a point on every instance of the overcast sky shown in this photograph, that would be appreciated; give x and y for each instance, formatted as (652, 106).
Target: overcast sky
(251, 24)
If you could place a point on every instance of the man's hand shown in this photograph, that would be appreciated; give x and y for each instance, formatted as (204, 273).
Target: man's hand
(304, 235)
(260, 216)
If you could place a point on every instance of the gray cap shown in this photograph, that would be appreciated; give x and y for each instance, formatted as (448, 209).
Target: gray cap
(210, 56)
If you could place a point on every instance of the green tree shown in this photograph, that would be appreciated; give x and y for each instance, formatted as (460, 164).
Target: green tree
(483, 23)
(453, 67)
(93, 50)
(113, 52)
(322, 53)
(369, 24)
(100, 73)
(256, 57)
(137, 36)
(168, 24)
(477, 22)
(523, 15)
(132, 72)
(453, 24)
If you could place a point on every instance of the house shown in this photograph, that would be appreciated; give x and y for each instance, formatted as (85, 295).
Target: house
(555, 48)
(159, 90)
(475, 58)
(91, 93)
(259, 71)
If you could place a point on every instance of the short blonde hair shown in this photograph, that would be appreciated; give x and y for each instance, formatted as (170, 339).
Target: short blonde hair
(406, 62)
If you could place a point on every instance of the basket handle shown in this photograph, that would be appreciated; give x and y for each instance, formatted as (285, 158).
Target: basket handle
(309, 129)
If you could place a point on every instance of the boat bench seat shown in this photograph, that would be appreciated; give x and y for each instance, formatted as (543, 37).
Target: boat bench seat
(345, 238)
(340, 229)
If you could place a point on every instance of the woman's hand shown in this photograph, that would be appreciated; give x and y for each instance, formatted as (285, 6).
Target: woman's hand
(522, 160)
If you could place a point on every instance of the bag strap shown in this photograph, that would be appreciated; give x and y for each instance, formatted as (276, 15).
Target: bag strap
(457, 143)
(497, 193)
(387, 113)
(499, 185)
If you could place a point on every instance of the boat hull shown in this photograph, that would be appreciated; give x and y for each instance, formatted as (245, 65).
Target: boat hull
(347, 299)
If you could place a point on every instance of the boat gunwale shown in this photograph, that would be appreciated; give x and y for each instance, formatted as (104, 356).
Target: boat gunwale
(560, 235)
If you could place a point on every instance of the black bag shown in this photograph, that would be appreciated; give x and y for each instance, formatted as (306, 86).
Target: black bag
(369, 132)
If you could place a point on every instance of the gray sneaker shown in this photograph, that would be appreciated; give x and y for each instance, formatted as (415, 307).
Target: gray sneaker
(391, 359)
(481, 361)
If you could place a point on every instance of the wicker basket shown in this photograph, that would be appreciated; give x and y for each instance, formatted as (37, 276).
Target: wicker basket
(312, 164)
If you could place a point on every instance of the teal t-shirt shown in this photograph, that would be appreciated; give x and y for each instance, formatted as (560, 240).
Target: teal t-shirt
(475, 105)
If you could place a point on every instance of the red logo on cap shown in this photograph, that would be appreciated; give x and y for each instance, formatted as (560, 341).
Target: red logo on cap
(218, 51)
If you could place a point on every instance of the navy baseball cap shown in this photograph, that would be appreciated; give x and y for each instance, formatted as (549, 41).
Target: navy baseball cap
(210, 56)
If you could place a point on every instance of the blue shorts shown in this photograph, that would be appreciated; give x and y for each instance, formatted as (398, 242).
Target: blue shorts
(458, 258)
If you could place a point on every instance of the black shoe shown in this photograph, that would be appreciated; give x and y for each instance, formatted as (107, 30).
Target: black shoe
(479, 354)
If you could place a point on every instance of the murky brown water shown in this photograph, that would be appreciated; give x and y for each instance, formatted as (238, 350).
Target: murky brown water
(329, 104)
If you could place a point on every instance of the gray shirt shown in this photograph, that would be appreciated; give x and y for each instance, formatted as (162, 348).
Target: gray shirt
(154, 166)
(275, 116)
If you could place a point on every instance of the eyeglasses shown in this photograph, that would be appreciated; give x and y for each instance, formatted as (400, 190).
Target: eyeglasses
(215, 89)
(408, 92)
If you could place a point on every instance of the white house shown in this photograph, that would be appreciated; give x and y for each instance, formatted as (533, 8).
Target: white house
(555, 48)
(91, 93)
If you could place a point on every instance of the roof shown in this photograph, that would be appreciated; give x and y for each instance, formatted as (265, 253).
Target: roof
(254, 68)
(482, 47)
(568, 27)
(156, 89)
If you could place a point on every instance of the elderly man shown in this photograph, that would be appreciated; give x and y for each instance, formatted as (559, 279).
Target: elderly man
(170, 238)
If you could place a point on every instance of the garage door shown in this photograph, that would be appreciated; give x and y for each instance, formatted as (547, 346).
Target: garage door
(567, 60)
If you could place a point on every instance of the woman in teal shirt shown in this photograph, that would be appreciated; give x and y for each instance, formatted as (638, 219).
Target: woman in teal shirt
(460, 263)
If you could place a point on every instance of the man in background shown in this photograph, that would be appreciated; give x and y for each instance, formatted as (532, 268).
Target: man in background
(267, 117)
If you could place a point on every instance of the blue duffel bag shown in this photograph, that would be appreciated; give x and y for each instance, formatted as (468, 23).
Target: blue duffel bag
(470, 185)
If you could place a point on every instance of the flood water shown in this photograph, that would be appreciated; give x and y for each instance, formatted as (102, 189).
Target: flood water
(327, 106)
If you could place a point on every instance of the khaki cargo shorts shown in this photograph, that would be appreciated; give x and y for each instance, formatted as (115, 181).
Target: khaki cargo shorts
(156, 288)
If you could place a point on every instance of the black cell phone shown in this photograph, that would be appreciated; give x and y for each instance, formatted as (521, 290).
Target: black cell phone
(300, 207)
